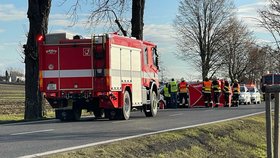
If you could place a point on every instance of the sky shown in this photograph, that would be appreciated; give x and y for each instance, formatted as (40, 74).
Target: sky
(158, 19)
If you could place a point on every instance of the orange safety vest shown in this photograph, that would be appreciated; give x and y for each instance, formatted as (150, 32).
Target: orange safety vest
(206, 88)
(183, 87)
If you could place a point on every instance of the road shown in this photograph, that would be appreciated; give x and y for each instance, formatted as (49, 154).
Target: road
(22, 139)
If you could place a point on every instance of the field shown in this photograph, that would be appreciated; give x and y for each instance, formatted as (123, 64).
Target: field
(11, 99)
(12, 102)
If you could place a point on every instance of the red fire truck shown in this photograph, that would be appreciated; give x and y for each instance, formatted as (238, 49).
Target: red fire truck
(106, 74)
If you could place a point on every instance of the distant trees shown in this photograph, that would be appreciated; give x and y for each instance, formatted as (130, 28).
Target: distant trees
(200, 26)
(38, 15)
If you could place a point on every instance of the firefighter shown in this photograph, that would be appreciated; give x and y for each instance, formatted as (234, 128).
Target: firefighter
(173, 89)
(227, 92)
(216, 87)
(166, 94)
(236, 93)
(183, 92)
(206, 90)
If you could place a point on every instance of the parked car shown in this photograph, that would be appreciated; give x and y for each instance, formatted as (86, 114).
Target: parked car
(255, 94)
(244, 96)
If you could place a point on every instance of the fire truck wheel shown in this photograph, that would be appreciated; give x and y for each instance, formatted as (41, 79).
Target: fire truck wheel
(126, 109)
(151, 109)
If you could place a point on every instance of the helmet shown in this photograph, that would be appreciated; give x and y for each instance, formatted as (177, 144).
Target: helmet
(214, 78)
(182, 79)
(236, 80)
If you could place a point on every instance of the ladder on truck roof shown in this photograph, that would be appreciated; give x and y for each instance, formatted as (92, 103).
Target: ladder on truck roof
(98, 49)
(95, 40)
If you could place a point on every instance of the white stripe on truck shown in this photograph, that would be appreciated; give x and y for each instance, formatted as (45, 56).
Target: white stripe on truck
(67, 73)
(90, 73)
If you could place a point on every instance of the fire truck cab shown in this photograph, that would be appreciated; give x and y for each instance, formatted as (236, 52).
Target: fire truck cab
(107, 74)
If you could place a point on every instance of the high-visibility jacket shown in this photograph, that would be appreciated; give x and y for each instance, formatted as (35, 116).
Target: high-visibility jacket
(236, 88)
(166, 91)
(183, 87)
(206, 87)
(173, 86)
(216, 86)
(227, 88)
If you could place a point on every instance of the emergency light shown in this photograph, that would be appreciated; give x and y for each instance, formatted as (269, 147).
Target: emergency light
(40, 38)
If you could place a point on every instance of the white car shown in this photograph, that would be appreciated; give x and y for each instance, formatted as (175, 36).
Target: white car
(244, 96)
(255, 95)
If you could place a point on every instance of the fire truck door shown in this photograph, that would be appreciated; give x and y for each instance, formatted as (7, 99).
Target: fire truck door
(75, 68)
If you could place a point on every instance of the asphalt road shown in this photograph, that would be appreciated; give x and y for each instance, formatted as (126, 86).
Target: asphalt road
(22, 139)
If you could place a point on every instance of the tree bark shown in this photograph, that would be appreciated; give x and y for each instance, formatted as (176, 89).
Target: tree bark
(38, 15)
(137, 22)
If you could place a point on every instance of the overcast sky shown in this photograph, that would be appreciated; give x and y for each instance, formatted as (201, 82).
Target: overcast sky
(159, 16)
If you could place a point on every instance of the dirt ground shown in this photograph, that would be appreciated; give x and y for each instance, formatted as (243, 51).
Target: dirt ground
(12, 98)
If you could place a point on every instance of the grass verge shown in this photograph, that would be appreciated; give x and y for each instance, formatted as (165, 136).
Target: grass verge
(237, 138)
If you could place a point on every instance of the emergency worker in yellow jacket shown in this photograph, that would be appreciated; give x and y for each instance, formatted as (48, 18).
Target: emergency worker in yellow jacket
(173, 90)
(206, 91)
(166, 95)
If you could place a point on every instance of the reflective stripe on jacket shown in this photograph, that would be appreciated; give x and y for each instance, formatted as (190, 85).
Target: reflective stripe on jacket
(206, 88)
(236, 88)
(227, 89)
(216, 86)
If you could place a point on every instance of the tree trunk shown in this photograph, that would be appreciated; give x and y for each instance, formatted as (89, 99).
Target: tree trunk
(137, 23)
(38, 14)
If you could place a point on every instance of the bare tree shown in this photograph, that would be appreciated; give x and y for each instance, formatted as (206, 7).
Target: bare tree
(272, 62)
(106, 11)
(257, 64)
(38, 15)
(200, 26)
(270, 20)
(236, 45)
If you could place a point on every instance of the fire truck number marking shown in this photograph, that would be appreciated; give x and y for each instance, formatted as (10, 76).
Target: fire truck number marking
(86, 52)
